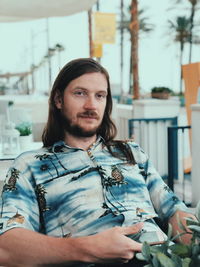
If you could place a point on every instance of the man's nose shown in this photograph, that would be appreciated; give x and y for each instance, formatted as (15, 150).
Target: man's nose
(90, 103)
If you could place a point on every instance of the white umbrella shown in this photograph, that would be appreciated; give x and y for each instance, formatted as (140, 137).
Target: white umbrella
(19, 10)
(23, 10)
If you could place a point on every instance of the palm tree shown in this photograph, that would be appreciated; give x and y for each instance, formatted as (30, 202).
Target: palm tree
(192, 14)
(90, 32)
(193, 10)
(134, 27)
(134, 24)
(181, 29)
(121, 47)
(144, 27)
(91, 46)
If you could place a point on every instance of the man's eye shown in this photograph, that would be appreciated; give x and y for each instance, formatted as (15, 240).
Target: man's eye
(79, 93)
(101, 96)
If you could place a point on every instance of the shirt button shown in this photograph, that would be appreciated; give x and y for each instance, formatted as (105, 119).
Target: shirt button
(116, 213)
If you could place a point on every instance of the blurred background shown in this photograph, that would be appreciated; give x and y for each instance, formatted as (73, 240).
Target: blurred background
(35, 46)
(151, 50)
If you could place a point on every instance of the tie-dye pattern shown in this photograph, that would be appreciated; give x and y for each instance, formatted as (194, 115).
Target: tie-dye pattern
(63, 191)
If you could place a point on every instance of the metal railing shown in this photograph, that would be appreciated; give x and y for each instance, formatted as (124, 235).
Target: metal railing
(179, 158)
(151, 134)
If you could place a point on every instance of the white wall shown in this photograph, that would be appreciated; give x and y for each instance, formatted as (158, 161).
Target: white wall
(195, 153)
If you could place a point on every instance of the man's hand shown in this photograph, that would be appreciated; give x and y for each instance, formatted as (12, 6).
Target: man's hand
(181, 215)
(111, 245)
(28, 248)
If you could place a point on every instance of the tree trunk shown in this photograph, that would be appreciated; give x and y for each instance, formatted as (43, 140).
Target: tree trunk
(90, 32)
(191, 31)
(130, 74)
(134, 27)
(121, 50)
(181, 71)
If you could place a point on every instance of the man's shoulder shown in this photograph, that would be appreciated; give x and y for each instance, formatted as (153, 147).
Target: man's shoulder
(139, 154)
(129, 142)
(32, 154)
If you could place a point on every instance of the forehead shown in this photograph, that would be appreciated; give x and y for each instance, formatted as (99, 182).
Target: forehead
(90, 81)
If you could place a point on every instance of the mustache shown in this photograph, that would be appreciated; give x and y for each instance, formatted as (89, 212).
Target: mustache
(88, 113)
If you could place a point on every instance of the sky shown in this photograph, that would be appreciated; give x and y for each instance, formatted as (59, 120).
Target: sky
(24, 43)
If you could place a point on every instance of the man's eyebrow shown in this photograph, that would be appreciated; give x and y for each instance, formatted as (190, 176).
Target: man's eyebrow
(80, 87)
(103, 91)
(86, 89)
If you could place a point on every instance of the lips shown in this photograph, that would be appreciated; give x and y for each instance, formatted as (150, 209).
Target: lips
(88, 117)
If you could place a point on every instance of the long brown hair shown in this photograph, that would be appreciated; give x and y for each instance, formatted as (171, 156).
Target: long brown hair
(54, 129)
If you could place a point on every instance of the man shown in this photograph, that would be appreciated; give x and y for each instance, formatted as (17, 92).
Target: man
(76, 200)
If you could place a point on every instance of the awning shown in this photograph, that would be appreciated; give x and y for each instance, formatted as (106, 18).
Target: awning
(20, 10)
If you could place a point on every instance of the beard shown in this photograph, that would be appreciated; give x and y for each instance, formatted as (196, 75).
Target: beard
(75, 129)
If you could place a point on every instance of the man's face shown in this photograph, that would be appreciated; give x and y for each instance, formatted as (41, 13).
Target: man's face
(83, 104)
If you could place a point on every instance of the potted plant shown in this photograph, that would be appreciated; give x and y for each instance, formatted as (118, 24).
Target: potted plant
(161, 92)
(25, 138)
(171, 254)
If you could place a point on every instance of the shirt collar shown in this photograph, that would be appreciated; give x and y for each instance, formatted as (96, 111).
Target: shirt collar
(60, 146)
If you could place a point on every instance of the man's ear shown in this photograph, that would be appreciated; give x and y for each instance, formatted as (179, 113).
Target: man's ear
(58, 100)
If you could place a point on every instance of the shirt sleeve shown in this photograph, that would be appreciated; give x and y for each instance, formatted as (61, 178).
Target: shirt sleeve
(19, 206)
(164, 200)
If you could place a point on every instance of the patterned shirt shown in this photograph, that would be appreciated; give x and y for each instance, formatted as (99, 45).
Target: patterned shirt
(63, 191)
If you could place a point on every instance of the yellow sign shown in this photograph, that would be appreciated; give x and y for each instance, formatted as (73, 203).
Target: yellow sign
(104, 28)
(97, 50)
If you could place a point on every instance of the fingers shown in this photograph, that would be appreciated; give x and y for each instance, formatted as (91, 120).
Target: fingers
(133, 228)
(128, 230)
(137, 246)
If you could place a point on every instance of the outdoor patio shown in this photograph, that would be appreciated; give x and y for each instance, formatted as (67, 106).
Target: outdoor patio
(61, 203)
(121, 115)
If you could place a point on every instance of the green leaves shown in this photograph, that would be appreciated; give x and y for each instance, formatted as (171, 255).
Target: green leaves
(198, 211)
(24, 128)
(176, 259)
(160, 89)
(186, 262)
(165, 261)
(146, 252)
(171, 254)
(190, 221)
(181, 250)
(194, 228)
